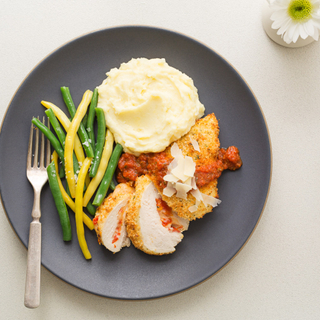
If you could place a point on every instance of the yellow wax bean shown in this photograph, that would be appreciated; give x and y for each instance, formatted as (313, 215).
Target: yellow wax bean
(69, 144)
(66, 124)
(79, 210)
(94, 183)
(87, 221)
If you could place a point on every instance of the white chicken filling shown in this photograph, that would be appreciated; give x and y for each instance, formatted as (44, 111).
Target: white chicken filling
(114, 233)
(155, 236)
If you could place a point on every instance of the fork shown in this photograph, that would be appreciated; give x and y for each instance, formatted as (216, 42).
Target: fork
(37, 175)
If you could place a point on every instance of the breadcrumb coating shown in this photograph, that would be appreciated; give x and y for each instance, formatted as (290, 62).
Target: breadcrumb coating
(206, 133)
(133, 218)
(121, 192)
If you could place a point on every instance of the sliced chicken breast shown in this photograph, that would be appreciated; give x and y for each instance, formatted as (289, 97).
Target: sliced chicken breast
(110, 219)
(152, 226)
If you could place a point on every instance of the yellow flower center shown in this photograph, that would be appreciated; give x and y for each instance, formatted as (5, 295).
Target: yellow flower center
(300, 10)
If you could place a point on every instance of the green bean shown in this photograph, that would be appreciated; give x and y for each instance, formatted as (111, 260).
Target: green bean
(59, 202)
(61, 135)
(112, 185)
(91, 208)
(53, 140)
(61, 172)
(91, 116)
(101, 137)
(85, 120)
(106, 180)
(76, 167)
(56, 126)
(82, 130)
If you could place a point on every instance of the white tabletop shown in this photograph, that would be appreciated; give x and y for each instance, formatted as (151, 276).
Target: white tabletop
(276, 275)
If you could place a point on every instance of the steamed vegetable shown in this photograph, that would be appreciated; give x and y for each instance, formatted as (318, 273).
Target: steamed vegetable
(94, 183)
(59, 202)
(101, 135)
(70, 152)
(66, 124)
(105, 183)
(53, 140)
(81, 111)
(91, 116)
(81, 129)
(67, 199)
(60, 134)
(79, 212)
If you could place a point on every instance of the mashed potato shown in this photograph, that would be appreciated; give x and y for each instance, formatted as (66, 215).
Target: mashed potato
(148, 104)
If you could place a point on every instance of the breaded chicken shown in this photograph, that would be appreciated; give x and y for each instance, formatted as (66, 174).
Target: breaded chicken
(209, 159)
(151, 225)
(110, 218)
(206, 133)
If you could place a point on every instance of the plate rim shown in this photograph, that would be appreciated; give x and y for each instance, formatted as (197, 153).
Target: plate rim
(178, 33)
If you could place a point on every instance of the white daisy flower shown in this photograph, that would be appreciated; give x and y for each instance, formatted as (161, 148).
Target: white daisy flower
(294, 18)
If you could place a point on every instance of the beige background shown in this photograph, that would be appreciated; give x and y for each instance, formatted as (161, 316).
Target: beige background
(277, 274)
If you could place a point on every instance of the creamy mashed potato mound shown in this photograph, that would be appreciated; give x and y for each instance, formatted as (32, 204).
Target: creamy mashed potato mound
(148, 104)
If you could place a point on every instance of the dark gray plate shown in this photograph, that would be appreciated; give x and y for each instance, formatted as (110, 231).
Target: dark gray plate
(210, 242)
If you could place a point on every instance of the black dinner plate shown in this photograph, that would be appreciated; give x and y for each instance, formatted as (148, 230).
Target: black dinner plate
(211, 242)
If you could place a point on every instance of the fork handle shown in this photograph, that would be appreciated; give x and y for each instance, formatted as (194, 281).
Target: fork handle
(32, 290)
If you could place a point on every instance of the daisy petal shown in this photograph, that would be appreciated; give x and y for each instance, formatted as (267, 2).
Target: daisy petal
(315, 15)
(315, 23)
(286, 35)
(308, 26)
(296, 34)
(279, 23)
(284, 28)
(302, 32)
(289, 29)
(280, 4)
(279, 14)
(286, 38)
(292, 30)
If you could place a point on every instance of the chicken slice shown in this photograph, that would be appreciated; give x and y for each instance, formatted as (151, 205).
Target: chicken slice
(152, 226)
(110, 218)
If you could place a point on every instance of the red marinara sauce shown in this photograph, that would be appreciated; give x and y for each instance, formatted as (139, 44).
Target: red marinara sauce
(131, 167)
(165, 213)
(117, 232)
(156, 164)
(226, 159)
(95, 219)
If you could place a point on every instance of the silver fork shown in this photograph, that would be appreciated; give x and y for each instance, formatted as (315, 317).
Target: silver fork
(37, 175)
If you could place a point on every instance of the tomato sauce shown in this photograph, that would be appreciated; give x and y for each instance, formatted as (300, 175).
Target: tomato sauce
(117, 232)
(156, 164)
(165, 213)
(226, 159)
(131, 167)
(95, 220)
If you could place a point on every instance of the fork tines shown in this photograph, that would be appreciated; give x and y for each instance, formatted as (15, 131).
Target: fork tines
(38, 163)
